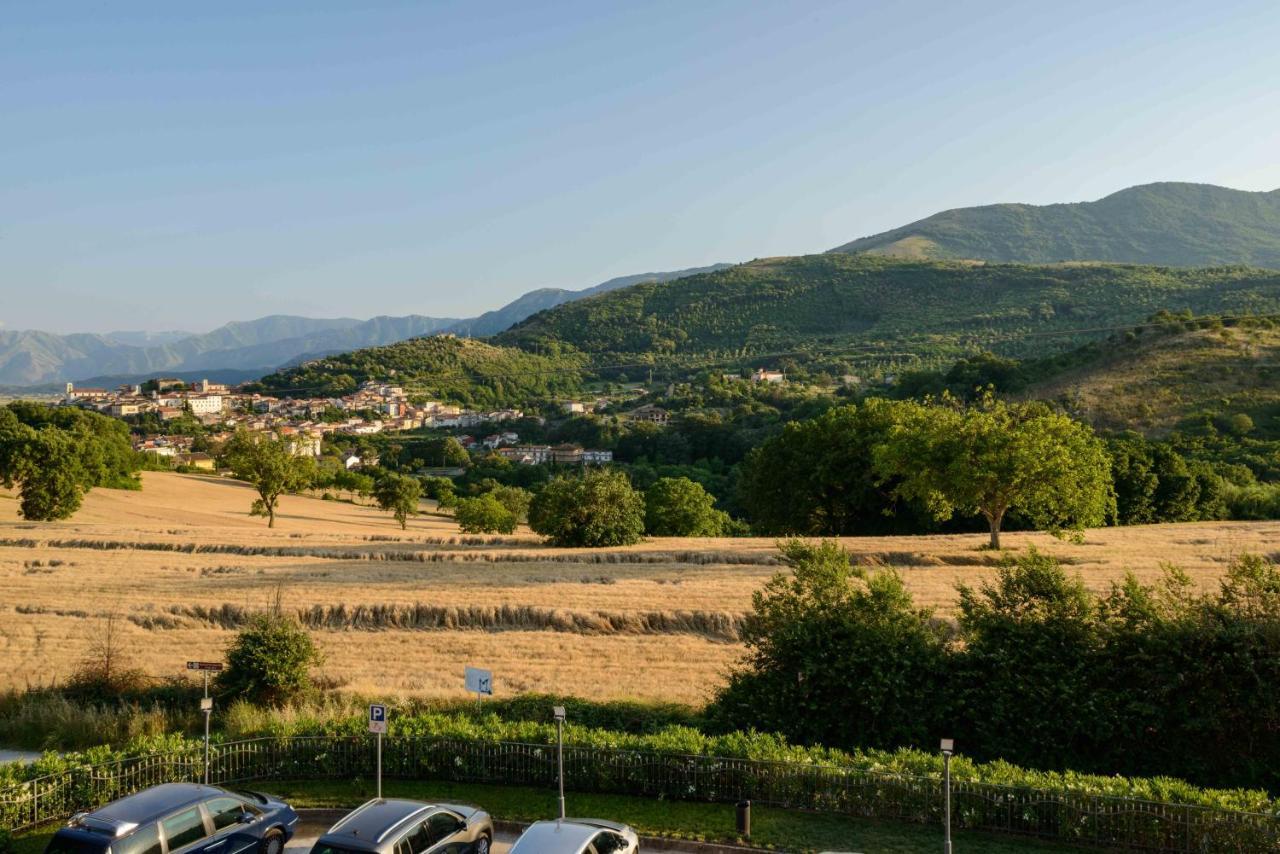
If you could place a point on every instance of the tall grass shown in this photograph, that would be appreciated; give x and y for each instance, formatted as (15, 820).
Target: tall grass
(47, 720)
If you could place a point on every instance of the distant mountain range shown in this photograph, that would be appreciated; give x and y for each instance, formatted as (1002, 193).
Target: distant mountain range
(1167, 224)
(244, 350)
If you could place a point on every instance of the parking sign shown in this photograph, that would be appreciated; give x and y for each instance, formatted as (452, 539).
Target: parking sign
(378, 719)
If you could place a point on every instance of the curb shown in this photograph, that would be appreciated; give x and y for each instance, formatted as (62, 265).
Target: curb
(649, 843)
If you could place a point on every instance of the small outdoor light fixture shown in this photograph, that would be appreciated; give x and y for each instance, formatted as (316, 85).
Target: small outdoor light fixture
(948, 747)
(558, 711)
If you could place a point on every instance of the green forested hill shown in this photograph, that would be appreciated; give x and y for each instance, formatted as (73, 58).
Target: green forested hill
(926, 308)
(443, 368)
(1176, 224)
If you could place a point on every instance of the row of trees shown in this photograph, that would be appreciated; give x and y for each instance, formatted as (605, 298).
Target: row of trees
(56, 455)
(1144, 680)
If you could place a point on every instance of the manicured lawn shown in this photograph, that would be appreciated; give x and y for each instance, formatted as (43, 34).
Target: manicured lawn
(783, 830)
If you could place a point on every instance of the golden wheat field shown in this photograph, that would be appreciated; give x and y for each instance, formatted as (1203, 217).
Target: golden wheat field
(402, 612)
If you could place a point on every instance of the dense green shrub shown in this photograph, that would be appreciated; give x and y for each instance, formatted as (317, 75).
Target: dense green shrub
(270, 661)
(680, 507)
(597, 508)
(1147, 680)
(484, 515)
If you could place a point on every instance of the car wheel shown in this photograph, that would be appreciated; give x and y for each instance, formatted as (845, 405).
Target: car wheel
(273, 843)
(481, 846)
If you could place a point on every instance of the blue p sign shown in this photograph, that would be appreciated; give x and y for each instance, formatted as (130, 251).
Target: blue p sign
(377, 718)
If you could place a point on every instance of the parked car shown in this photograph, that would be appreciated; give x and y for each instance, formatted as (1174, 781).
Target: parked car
(577, 836)
(391, 826)
(180, 817)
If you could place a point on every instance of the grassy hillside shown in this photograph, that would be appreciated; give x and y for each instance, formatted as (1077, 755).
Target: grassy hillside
(1176, 375)
(928, 309)
(443, 368)
(1190, 225)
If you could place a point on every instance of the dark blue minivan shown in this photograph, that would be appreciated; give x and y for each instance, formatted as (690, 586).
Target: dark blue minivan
(180, 818)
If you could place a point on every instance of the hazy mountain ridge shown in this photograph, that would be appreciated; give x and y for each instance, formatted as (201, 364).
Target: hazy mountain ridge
(255, 347)
(499, 320)
(1167, 224)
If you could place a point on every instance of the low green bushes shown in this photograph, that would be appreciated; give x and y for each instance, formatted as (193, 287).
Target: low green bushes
(671, 740)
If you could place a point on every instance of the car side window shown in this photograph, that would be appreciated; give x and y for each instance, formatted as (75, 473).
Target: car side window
(417, 840)
(225, 812)
(441, 826)
(182, 829)
(144, 840)
(608, 842)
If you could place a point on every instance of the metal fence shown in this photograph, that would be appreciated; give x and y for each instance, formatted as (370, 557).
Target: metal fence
(1088, 820)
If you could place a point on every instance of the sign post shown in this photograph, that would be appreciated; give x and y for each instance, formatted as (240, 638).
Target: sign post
(378, 726)
(559, 713)
(948, 748)
(479, 682)
(206, 704)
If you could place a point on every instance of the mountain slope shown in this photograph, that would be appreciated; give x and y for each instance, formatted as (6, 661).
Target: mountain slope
(1173, 224)
(498, 320)
(929, 308)
(1176, 374)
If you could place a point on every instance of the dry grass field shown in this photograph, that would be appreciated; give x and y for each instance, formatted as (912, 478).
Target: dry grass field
(181, 562)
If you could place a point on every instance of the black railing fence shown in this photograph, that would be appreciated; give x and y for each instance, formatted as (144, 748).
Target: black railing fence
(1088, 820)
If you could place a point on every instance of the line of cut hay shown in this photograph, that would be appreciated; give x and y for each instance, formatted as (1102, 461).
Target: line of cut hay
(712, 625)
(697, 558)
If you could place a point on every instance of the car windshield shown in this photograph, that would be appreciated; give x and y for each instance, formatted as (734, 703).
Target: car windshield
(254, 796)
(74, 845)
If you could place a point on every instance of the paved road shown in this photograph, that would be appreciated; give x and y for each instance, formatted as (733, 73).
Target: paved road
(17, 756)
(310, 831)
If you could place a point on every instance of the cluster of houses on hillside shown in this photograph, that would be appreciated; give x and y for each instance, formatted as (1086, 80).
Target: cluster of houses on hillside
(305, 422)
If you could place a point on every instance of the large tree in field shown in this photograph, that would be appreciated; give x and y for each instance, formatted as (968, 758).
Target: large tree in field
(398, 495)
(993, 458)
(270, 466)
(598, 508)
(816, 476)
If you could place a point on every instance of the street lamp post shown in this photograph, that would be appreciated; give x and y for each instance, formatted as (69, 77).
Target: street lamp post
(559, 713)
(948, 748)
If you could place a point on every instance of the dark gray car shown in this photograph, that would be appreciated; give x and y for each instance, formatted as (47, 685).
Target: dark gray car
(393, 826)
(180, 818)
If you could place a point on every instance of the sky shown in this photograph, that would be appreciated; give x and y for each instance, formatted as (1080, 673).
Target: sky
(181, 165)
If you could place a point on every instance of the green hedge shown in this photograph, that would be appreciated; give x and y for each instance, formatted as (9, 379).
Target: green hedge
(684, 740)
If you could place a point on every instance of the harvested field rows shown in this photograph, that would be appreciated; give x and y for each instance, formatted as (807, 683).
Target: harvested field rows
(184, 564)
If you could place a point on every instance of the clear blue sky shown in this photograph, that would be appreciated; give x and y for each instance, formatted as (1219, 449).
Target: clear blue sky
(179, 165)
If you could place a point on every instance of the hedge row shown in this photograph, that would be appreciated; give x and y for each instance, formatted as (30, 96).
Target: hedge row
(684, 740)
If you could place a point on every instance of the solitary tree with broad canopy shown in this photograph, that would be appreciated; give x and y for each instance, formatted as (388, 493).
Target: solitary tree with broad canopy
(994, 457)
(270, 466)
(398, 495)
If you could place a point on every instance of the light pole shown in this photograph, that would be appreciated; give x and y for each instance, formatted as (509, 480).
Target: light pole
(559, 713)
(206, 706)
(948, 748)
